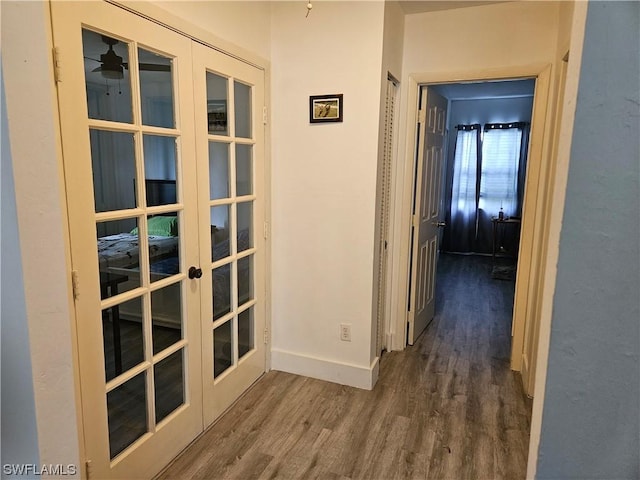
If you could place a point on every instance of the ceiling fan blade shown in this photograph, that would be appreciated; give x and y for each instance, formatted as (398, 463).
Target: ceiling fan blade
(153, 67)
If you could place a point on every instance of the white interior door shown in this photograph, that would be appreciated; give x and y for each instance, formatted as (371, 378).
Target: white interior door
(426, 212)
(230, 143)
(148, 218)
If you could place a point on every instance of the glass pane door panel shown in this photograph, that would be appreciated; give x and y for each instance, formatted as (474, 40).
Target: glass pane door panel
(168, 384)
(118, 246)
(122, 337)
(164, 245)
(245, 332)
(217, 88)
(114, 170)
(160, 170)
(242, 103)
(245, 226)
(244, 175)
(166, 316)
(156, 89)
(245, 280)
(127, 411)
(107, 80)
(220, 232)
(218, 170)
(222, 348)
(221, 286)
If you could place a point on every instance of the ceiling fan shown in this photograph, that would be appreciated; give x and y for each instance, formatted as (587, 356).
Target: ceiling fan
(112, 66)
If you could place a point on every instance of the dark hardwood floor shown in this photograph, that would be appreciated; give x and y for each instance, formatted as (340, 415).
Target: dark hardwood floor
(446, 408)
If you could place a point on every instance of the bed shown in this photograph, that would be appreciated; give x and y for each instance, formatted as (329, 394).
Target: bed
(120, 263)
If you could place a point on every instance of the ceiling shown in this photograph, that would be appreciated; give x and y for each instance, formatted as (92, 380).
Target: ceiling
(421, 6)
(478, 90)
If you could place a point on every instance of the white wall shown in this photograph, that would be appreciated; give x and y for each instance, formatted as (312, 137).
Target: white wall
(243, 23)
(41, 211)
(393, 40)
(324, 188)
(483, 37)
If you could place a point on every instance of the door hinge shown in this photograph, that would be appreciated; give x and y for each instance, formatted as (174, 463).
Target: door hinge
(87, 465)
(422, 116)
(264, 115)
(266, 230)
(266, 336)
(57, 65)
(75, 284)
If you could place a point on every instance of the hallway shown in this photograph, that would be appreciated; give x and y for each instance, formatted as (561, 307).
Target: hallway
(448, 407)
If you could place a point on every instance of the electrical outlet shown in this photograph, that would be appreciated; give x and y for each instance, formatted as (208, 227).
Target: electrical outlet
(345, 332)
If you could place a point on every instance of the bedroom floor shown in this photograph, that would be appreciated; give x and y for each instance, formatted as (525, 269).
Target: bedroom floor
(448, 407)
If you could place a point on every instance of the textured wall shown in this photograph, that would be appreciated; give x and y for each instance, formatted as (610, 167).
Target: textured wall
(19, 431)
(590, 424)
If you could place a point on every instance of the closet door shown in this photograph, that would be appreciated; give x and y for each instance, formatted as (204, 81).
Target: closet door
(126, 98)
(229, 99)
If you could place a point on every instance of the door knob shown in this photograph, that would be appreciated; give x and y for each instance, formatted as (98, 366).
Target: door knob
(195, 272)
(440, 224)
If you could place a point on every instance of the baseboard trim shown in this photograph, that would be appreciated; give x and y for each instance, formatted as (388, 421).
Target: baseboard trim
(325, 369)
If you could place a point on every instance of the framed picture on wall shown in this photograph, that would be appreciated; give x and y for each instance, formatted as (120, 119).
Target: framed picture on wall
(325, 108)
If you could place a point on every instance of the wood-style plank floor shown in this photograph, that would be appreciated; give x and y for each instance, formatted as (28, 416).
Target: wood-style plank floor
(446, 408)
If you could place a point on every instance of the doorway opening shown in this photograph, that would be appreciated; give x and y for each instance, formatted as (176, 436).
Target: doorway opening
(530, 255)
(470, 177)
(483, 178)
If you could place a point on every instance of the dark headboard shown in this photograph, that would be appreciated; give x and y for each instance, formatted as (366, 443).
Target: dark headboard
(160, 192)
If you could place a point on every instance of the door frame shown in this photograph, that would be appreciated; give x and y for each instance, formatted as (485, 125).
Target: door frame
(73, 420)
(530, 262)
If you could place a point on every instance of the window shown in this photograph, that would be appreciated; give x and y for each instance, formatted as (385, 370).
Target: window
(488, 175)
(499, 172)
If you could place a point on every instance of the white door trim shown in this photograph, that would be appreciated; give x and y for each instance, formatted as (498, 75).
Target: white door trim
(539, 148)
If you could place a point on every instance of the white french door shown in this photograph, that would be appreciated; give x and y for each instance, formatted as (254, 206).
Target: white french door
(230, 149)
(167, 325)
